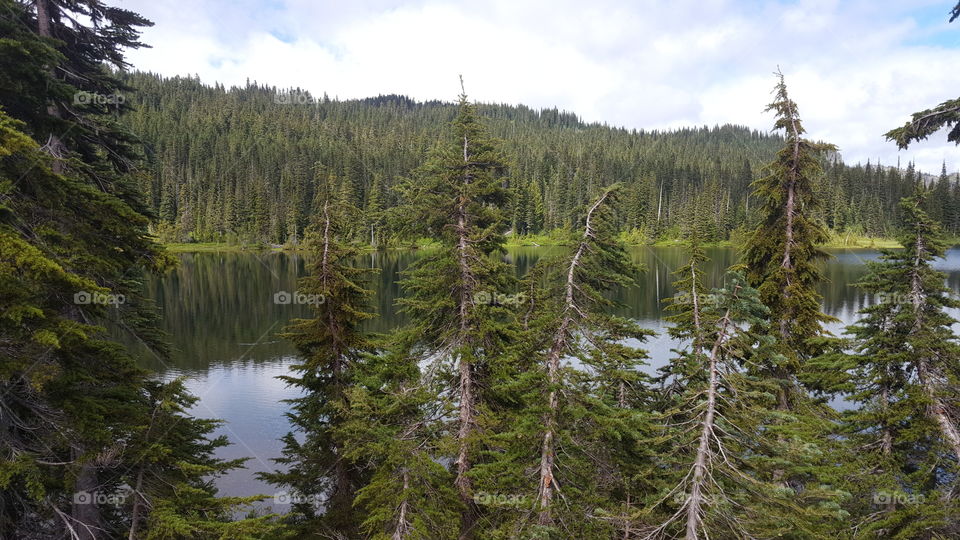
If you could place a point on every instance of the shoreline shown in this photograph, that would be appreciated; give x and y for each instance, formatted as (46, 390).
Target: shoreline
(223, 247)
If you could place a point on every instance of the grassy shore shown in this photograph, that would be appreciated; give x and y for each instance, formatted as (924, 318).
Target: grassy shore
(223, 247)
(837, 241)
(197, 247)
(861, 242)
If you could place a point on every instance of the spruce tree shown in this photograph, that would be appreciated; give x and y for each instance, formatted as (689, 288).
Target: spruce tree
(397, 432)
(710, 410)
(172, 472)
(720, 427)
(783, 263)
(688, 318)
(579, 422)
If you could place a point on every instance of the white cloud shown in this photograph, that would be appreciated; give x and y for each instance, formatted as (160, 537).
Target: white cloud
(857, 68)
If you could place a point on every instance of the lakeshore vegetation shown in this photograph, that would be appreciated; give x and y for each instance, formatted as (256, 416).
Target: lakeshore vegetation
(507, 407)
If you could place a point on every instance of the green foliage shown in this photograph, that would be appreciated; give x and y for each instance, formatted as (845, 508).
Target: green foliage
(251, 147)
(926, 123)
(332, 346)
(503, 410)
(903, 373)
(80, 424)
(782, 258)
(394, 430)
(576, 415)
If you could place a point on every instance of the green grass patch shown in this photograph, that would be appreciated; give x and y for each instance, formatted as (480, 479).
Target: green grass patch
(195, 247)
(556, 237)
(852, 240)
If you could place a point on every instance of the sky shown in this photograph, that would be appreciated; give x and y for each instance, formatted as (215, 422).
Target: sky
(856, 68)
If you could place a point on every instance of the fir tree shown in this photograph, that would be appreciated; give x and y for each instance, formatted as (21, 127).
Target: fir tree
(331, 344)
(781, 257)
(782, 261)
(721, 432)
(903, 371)
(172, 473)
(458, 198)
(395, 430)
(579, 424)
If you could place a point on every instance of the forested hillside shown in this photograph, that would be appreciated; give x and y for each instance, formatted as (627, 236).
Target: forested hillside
(505, 406)
(243, 165)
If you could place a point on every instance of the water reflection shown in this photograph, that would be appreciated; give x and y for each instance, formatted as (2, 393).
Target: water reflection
(220, 312)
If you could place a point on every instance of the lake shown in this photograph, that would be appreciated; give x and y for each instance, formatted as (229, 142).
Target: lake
(220, 312)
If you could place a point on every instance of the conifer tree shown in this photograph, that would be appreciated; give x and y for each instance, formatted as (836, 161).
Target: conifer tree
(688, 318)
(580, 423)
(709, 411)
(782, 256)
(331, 344)
(172, 471)
(720, 427)
(457, 197)
(80, 420)
(782, 261)
(397, 432)
(926, 123)
(904, 372)
(75, 409)
(374, 213)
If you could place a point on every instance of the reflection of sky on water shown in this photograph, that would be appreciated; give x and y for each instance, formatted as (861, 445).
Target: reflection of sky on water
(218, 309)
(249, 397)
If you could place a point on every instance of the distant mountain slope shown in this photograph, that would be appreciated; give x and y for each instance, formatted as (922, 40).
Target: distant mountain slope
(241, 163)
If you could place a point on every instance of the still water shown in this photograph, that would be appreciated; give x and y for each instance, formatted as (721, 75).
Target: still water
(220, 312)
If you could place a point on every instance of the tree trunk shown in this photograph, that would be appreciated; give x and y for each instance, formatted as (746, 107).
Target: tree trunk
(137, 505)
(54, 146)
(402, 529)
(342, 495)
(783, 400)
(547, 486)
(935, 409)
(703, 459)
(84, 510)
(695, 297)
(465, 369)
(660, 202)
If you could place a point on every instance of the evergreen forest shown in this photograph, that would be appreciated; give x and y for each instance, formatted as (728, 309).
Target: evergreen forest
(508, 406)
